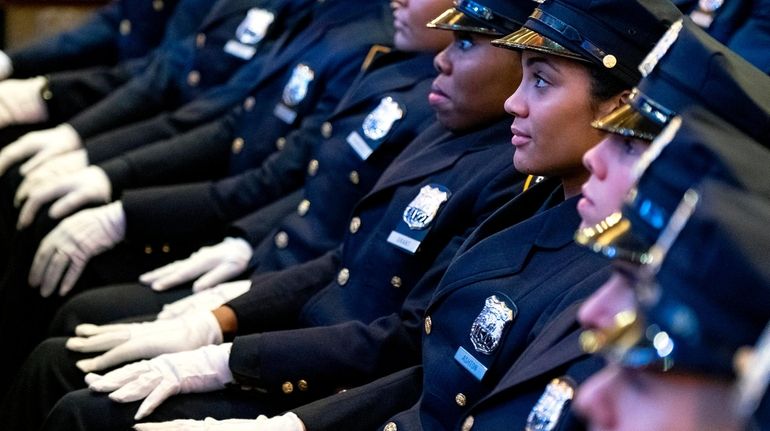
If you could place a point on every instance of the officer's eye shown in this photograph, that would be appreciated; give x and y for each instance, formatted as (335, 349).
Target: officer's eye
(464, 41)
(630, 147)
(539, 81)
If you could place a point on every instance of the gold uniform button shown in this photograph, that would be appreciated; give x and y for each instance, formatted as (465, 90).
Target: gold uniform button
(166, 248)
(249, 103)
(193, 78)
(312, 168)
(302, 385)
(326, 130)
(303, 207)
(355, 224)
(287, 388)
(200, 40)
(467, 424)
(343, 276)
(125, 27)
(46, 94)
(237, 146)
(280, 143)
(354, 178)
(395, 281)
(147, 249)
(158, 5)
(460, 399)
(281, 239)
(428, 325)
(390, 426)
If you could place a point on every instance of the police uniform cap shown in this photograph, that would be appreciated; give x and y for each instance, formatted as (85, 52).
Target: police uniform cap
(615, 35)
(489, 17)
(690, 68)
(712, 287)
(694, 146)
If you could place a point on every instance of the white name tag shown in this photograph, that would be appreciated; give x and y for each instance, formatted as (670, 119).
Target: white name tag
(286, 114)
(359, 145)
(403, 241)
(240, 50)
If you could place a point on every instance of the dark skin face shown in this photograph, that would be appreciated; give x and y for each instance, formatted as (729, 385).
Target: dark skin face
(409, 19)
(553, 109)
(474, 79)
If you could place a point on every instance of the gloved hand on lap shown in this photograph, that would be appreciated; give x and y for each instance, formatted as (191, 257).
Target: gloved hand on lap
(128, 342)
(87, 186)
(155, 380)
(71, 244)
(212, 265)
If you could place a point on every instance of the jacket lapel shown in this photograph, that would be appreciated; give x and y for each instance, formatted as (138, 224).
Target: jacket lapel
(421, 159)
(406, 72)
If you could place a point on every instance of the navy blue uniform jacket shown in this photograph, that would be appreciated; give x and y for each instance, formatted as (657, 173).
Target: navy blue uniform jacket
(334, 176)
(525, 257)
(348, 303)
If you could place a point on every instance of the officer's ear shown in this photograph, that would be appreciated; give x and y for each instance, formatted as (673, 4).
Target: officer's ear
(613, 103)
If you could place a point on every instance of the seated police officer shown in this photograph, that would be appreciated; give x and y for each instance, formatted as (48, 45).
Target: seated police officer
(683, 360)
(440, 186)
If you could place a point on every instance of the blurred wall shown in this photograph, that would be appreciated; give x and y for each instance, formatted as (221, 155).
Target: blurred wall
(27, 20)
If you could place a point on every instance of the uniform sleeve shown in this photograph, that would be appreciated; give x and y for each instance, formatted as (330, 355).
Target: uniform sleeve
(276, 298)
(90, 44)
(198, 154)
(70, 92)
(364, 407)
(343, 355)
(255, 227)
(143, 96)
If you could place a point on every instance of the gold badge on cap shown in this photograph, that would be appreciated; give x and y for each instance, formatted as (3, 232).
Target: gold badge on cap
(487, 329)
(545, 415)
(661, 48)
(421, 211)
(379, 122)
(296, 89)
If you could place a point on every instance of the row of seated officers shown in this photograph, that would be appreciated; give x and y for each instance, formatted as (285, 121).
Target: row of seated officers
(405, 215)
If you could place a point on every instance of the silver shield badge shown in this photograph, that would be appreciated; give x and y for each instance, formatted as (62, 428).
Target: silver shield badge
(421, 211)
(296, 90)
(487, 329)
(378, 123)
(548, 410)
(254, 27)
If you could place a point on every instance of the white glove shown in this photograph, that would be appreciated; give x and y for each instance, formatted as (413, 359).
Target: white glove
(39, 146)
(286, 422)
(6, 65)
(207, 300)
(72, 243)
(217, 263)
(201, 370)
(86, 186)
(55, 167)
(128, 342)
(21, 101)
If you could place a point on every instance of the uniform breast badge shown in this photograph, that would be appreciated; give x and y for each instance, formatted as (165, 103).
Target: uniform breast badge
(294, 92)
(545, 415)
(376, 127)
(486, 333)
(249, 33)
(417, 217)
(487, 329)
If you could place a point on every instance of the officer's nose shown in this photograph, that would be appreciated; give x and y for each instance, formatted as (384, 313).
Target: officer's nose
(599, 310)
(594, 399)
